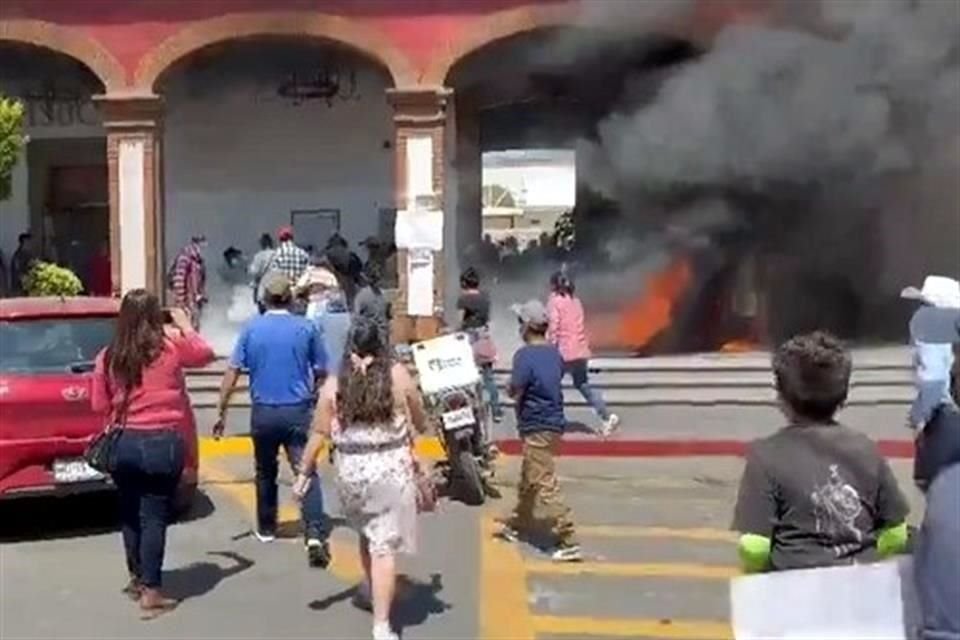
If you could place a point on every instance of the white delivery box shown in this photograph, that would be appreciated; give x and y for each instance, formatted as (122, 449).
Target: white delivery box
(445, 363)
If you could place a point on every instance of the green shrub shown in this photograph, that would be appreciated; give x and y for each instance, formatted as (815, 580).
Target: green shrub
(48, 279)
(11, 141)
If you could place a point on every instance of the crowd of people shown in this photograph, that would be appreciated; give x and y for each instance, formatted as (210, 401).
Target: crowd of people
(326, 281)
(815, 493)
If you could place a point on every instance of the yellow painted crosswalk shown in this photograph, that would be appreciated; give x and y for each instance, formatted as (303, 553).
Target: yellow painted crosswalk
(505, 590)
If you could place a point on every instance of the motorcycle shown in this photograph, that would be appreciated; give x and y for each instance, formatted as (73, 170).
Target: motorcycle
(453, 397)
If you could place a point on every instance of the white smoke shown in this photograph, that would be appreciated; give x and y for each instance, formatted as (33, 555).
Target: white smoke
(228, 309)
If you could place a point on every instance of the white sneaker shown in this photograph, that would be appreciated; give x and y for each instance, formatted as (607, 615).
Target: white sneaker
(382, 631)
(264, 537)
(568, 553)
(507, 534)
(610, 425)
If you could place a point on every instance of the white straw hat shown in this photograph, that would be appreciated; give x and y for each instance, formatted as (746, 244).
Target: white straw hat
(937, 291)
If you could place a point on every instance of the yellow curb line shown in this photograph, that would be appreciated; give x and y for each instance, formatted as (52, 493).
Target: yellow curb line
(698, 534)
(504, 602)
(427, 447)
(633, 628)
(634, 569)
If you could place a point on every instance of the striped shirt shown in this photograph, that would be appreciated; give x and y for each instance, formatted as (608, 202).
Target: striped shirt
(188, 277)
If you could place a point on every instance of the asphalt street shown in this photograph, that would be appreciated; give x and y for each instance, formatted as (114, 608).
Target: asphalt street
(658, 562)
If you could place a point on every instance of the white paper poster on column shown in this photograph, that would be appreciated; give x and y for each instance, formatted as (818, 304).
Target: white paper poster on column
(419, 230)
(419, 168)
(420, 282)
(133, 232)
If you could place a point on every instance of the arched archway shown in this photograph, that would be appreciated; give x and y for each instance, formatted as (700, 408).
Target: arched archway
(70, 42)
(59, 188)
(499, 26)
(334, 29)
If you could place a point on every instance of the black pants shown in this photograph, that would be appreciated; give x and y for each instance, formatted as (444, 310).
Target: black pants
(147, 468)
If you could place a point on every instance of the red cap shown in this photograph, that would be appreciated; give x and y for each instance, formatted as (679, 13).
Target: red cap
(285, 233)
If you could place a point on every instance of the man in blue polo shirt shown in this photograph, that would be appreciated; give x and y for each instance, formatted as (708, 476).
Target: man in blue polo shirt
(284, 357)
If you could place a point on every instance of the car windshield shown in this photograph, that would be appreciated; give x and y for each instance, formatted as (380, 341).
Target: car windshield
(52, 345)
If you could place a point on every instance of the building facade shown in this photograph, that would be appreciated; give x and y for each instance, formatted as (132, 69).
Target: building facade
(184, 118)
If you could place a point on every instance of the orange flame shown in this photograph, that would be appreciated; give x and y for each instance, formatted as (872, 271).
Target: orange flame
(739, 346)
(648, 317)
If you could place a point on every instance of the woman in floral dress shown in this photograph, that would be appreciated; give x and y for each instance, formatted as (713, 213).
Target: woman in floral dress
(367, 412)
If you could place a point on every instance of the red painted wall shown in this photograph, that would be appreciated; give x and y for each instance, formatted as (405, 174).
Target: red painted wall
(130, 28)
(423, 30)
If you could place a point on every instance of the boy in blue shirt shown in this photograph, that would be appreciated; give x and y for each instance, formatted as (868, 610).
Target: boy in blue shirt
(535, 385)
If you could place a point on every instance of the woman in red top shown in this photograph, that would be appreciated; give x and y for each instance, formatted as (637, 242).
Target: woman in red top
(138, 382)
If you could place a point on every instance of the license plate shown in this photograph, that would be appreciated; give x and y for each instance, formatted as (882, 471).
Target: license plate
(459, 418)
(74, 471)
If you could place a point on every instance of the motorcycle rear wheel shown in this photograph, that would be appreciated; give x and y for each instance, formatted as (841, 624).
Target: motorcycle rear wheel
(469, 479)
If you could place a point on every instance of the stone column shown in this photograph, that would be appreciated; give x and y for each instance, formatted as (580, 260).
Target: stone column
(419, 115)
(133, 124)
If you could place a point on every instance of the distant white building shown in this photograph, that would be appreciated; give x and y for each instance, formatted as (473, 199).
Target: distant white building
(526, 191)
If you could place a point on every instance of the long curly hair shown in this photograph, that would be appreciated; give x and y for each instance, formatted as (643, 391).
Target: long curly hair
(138, 340)
(365, 389)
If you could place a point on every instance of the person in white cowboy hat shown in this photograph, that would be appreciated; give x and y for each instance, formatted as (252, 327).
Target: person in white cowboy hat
(933, 361)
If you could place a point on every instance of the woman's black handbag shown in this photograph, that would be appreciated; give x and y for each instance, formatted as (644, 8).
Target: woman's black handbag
(99, 454)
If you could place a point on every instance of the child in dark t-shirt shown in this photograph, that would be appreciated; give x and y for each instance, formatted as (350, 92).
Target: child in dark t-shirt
(816, 493)
(536, 386)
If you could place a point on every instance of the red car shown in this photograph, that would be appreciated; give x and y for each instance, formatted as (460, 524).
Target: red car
(47, 349)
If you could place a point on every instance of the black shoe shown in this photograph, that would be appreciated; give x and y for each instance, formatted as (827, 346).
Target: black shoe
(318, 553)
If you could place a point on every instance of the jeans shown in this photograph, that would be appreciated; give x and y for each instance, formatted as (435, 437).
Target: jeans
(146, 469)
(938, 445)
(490, 385)
(581, 380)
(286, 426)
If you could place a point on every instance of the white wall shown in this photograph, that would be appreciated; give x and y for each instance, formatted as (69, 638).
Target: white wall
(238, 158)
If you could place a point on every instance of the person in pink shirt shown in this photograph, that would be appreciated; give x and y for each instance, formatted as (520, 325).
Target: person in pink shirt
(138, 385)
(567, 330)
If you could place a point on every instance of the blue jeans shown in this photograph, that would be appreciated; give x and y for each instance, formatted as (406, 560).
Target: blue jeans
(283, 426)
(146, 469)
(490, 386)
(578, 370)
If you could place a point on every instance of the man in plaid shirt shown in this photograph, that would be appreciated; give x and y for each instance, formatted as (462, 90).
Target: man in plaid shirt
(289, 259)
(188, 279)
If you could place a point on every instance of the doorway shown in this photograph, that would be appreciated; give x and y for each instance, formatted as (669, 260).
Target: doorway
(69, 201)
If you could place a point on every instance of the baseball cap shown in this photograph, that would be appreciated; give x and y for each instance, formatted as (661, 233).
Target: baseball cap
(285, 233)
(277, 285)
(532, 313)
